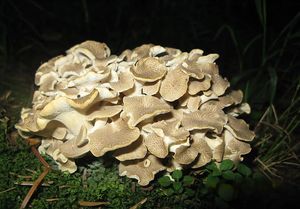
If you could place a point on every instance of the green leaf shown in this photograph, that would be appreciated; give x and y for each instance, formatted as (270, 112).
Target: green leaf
(177, 175)
(188, 180)
(216, 172)
(244, 170)
(228, 175)
(177, 186)
(226, 192)
(238, 178)
(226, 165)
(211, 166)
(168, 191)
(165, 181)
(189, 192)
(212, 181)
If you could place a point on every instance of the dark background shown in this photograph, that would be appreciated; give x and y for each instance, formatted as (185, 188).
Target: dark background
(34, 31)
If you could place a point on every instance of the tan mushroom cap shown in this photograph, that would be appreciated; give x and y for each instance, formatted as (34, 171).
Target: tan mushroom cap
(204, 150)
(28, 121)
(149, 69)
(193, 103)
(84, 102)
(195, 54)
(174, 85)
(156, 50)
(69, 166)
(124, 83)
(111, 137)
(91, 78)
(219, 85)
(142, 170)
(48, 81)
(151, 88)
(170, 128)
(50, 147)
(103, 111)
(239, 129)
(192, 69)
(217, 145)
(197, 86)
(234, 146)
(72, 69)
(139, 108)
(233, 97)
(185, 155)
(62, 105)
(209, 118)
(210, 58)
(141, 51)
(136, 150)
(60, 133)
(99, 50)
(156, 146)
(240, 109)
(76, 147)
(45, 68)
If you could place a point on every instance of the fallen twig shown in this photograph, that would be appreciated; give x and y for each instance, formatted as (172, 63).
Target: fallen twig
(52, 199)
(30, 183)
(7, 190)
(140, 203)
(33, 188)
(20, 176)
(39, 179)
(92, 204)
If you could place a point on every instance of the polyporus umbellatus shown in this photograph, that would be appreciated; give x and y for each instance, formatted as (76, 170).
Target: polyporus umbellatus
(155, 108)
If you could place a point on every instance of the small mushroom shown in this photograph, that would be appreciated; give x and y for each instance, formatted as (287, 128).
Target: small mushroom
(111, 137)
(239, 128)
(210, 118)
(91, 49)
(240, 109)
(185, 154)
(142, 170)
(76, 147)
(156, 145)
(193, 103)
(174, 85)
(197, 86)
(151, 88)
(234, 149)
(149, 69)
(136, 150)
(124, 83)
(210, 58)
(103, 111)
(200, 144)
(139, 108)
(219, 85)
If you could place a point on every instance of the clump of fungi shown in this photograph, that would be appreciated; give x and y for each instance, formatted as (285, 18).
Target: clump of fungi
(154, 108)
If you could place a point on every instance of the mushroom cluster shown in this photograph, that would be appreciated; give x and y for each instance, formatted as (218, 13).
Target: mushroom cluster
(154, 108)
